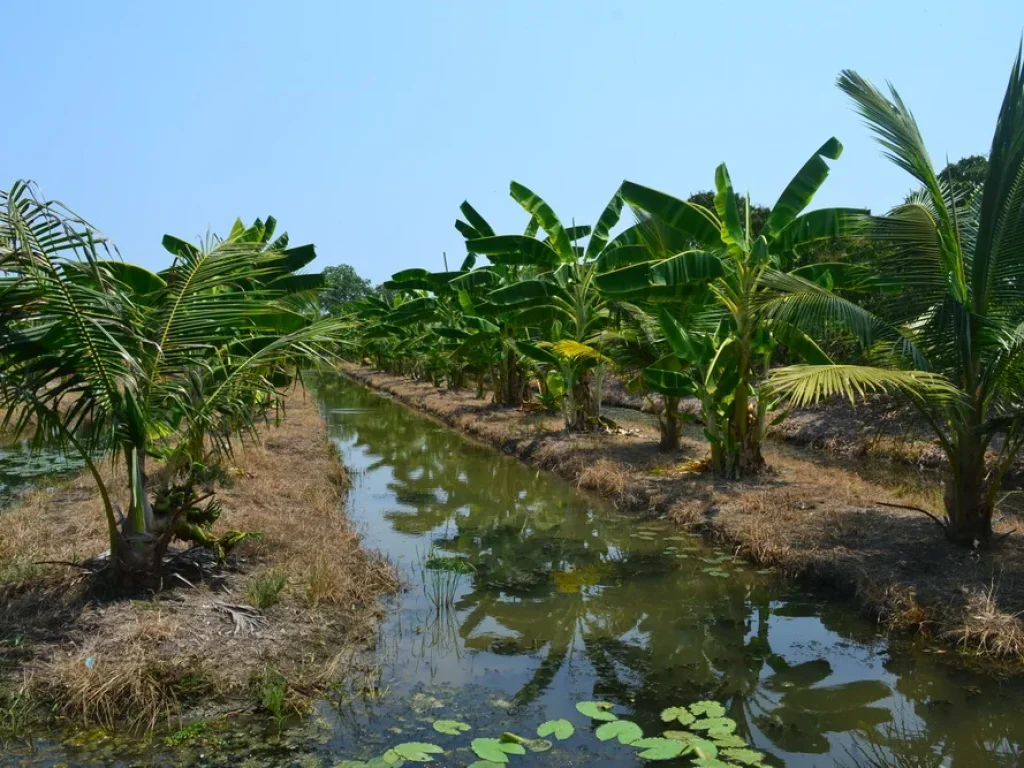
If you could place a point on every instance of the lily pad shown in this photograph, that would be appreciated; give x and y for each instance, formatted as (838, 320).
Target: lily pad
(715, 725)
(496, 750)
(707, 709)
(484, 764)
(703, 748)
(561, 729)
(596, 710)
(450, 727)
(623, 730)
(680, 714)
(683, 736)
(417, 751)
(743, 755)
(728, 740)
(657, 748)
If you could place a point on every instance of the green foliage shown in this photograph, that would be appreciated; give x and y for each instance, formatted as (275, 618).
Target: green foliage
(948, 334)
(265, 590)
(417, 751)
(703, 276)
(623, 730)
(496, 750)
(342, 286)
(104, 359)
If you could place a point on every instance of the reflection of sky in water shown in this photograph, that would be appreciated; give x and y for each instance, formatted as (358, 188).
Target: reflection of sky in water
(571, 601)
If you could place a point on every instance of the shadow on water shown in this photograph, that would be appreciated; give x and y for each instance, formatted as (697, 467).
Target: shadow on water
(550, 597)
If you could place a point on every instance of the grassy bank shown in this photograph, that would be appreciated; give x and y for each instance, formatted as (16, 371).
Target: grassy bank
(812, 518)
(286, 618)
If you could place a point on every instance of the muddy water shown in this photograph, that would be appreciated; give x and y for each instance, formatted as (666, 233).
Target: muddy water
(558, 599)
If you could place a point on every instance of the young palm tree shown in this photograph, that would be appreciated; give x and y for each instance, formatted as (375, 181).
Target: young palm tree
(959, 316)
(108, 360)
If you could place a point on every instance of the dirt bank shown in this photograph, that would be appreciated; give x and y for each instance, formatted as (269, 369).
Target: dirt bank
(284, 619)
(813, 517)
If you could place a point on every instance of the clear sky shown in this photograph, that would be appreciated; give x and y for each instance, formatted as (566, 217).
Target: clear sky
(363, 126)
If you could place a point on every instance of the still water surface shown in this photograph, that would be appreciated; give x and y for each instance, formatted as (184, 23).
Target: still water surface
(569, 601)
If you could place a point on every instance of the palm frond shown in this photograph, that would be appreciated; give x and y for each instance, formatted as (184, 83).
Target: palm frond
(808, 384)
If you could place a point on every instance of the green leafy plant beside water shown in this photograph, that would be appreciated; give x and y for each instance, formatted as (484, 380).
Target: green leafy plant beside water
(710, 740)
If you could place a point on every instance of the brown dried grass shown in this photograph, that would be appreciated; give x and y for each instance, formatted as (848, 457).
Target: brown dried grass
(987, 629)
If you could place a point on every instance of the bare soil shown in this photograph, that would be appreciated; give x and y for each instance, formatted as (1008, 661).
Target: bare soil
(200, 640)
(812, 517)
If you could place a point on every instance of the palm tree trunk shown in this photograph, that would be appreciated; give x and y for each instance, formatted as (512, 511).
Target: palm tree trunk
(967, 498)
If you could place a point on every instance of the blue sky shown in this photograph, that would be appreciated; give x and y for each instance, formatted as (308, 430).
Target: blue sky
(363, 126)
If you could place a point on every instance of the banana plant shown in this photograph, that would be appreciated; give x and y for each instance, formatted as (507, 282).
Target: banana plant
(636, 344)
(492, 330)
(557, 299)
(691, 255)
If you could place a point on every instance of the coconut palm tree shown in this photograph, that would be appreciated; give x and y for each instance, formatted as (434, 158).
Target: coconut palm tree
(105, 359)
(958, 315)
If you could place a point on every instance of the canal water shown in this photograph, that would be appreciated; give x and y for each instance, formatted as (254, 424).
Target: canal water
(524, 598)
(565, 600)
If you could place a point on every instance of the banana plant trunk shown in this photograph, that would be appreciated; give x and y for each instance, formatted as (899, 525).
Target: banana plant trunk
(586, 402)
(511, 381)
(744, 441)
(670, 424)
(968, 498)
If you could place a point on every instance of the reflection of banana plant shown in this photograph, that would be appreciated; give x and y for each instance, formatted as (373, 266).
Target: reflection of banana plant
(712, 256)
(559, 300)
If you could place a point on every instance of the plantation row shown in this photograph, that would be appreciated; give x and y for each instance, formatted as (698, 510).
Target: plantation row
(704, 298)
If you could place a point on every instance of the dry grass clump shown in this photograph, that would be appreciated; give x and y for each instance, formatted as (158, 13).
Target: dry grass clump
(605, 477)
(987, 629)
(125, 677)
(895, 606)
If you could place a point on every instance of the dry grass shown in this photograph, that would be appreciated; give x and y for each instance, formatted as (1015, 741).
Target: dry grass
(988, 629)
(604, 476)
(813, 517)
(142, 663)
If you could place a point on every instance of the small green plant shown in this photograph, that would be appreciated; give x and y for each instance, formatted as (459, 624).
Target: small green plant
(265, 590)
(17, 713)
(272, 688)
(435, 561)
(197, 731)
